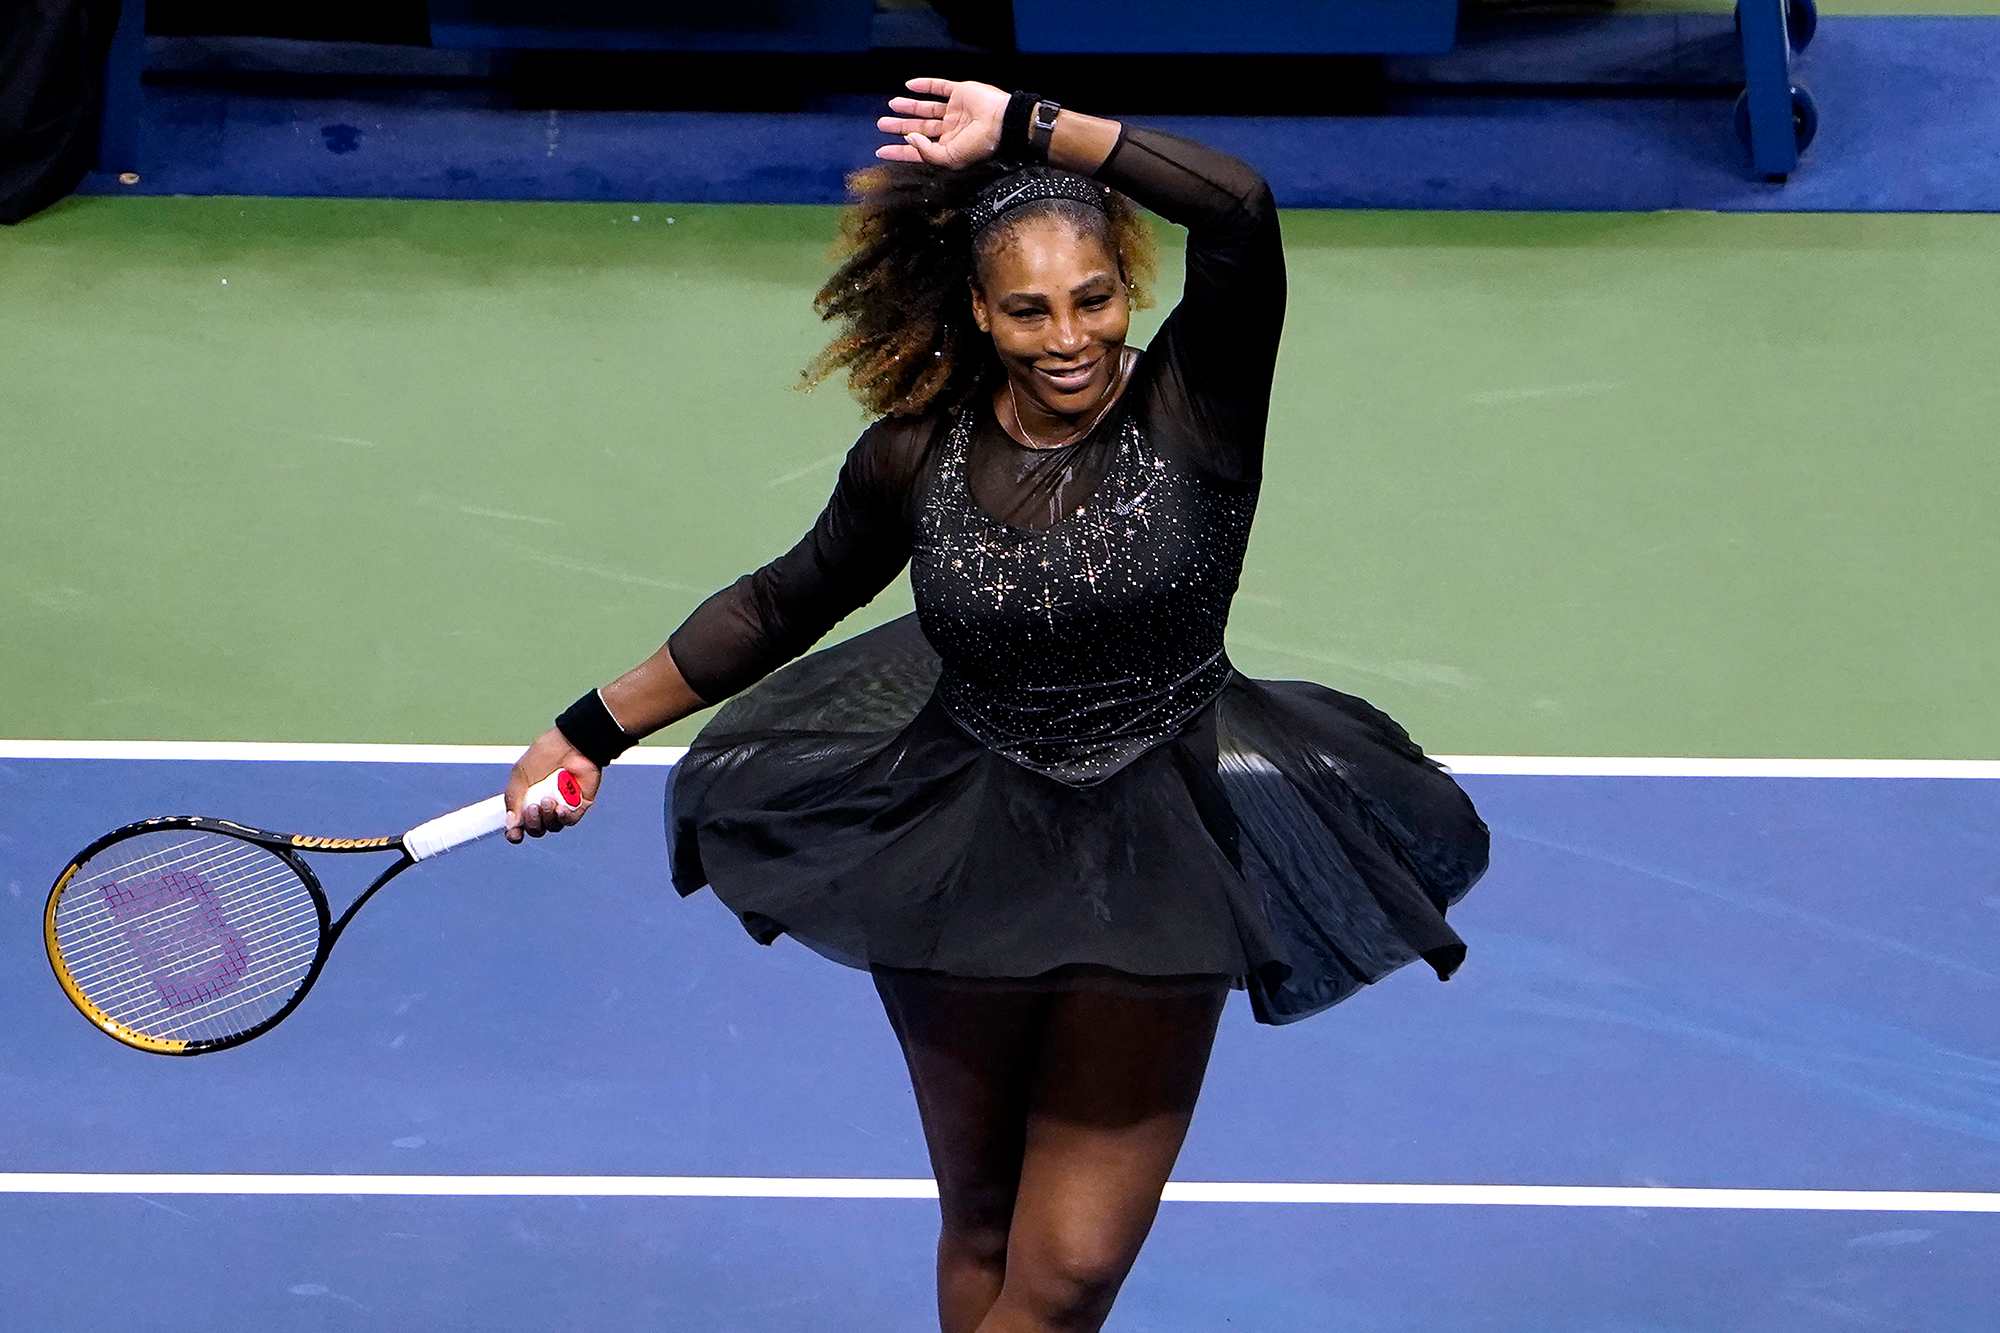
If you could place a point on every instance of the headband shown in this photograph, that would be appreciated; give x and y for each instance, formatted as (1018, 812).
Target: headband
(1031, 185)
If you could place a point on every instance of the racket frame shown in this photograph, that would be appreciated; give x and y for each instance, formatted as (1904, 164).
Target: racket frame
(286, 846)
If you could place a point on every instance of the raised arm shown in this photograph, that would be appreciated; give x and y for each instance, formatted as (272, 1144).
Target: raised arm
(1218, 349)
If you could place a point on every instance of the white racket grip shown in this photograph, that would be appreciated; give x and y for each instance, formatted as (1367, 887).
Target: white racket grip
(485, 818)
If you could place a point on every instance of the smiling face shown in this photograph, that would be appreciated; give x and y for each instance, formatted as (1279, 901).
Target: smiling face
(1051, 296)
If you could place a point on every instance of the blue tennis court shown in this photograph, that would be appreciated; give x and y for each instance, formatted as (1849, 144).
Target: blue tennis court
(1745, 984)
(400, 371)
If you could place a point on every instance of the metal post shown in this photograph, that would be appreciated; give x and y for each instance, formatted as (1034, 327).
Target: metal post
(1767, 78)
(123, 104)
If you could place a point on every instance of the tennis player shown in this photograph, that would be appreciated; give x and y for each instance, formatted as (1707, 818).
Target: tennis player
(1045, 812)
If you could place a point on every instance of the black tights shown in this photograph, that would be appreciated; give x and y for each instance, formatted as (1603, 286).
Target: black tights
(1053, 1120)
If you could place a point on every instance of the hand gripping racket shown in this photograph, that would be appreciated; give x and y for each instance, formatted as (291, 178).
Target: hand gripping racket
(183, 935)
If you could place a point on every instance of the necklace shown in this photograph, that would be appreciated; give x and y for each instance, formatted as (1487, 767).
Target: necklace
(1104, 402)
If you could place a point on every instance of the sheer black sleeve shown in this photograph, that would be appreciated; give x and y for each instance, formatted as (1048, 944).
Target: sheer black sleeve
(1213, 358)
(859, 544)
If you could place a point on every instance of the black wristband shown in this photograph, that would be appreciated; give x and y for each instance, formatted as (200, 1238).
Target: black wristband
(1014, 142)
(588, 725)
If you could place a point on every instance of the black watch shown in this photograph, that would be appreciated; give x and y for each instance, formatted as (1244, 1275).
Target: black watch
(1042, 126)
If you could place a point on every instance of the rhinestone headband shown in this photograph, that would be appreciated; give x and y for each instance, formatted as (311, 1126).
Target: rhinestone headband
(1031, 185)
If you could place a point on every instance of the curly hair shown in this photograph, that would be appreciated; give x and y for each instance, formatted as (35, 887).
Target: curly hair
(902, 293)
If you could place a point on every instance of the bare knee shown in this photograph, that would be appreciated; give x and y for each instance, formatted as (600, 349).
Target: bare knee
(1067, 1282)
(984, 1245)
(976, 1226)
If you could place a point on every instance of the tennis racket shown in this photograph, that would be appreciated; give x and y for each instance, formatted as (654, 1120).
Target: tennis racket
(183, 935)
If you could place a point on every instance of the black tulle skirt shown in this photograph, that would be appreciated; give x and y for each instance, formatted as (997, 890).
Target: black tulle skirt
(1291, 838)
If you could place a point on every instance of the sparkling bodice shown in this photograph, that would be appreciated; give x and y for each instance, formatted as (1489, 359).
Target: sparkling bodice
(1074, 650)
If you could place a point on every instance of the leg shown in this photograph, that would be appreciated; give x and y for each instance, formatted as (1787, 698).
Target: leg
(971, 1055)
(1114, 1090)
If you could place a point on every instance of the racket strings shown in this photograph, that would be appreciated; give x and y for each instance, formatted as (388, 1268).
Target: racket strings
(191, 936)
(258, 895)
(178, 991)
(110, 924)
(255, 894)
(168, 993)
(118, 981)
(179, 981)
(255, 901)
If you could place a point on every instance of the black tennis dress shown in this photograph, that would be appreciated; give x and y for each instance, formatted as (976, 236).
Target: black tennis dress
(1052, 770)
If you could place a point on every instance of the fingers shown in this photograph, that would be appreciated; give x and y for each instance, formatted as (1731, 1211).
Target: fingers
(530, 825)
(518, 783)
(957, 131)
(902, 125)
(549, 816)
(531, 821)
(546, 818)
(914, 148)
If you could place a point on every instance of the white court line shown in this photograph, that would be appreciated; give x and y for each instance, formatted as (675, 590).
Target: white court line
(309, 752)
(1572, 766)
(814, 1187)
(1617, 766)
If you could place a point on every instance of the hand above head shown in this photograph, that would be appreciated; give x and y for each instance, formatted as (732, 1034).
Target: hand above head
(958, 131)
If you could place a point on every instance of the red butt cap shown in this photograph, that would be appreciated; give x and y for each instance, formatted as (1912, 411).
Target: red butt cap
(572, 793)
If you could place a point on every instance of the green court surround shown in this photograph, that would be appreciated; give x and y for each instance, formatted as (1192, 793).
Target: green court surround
(1539, 483)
